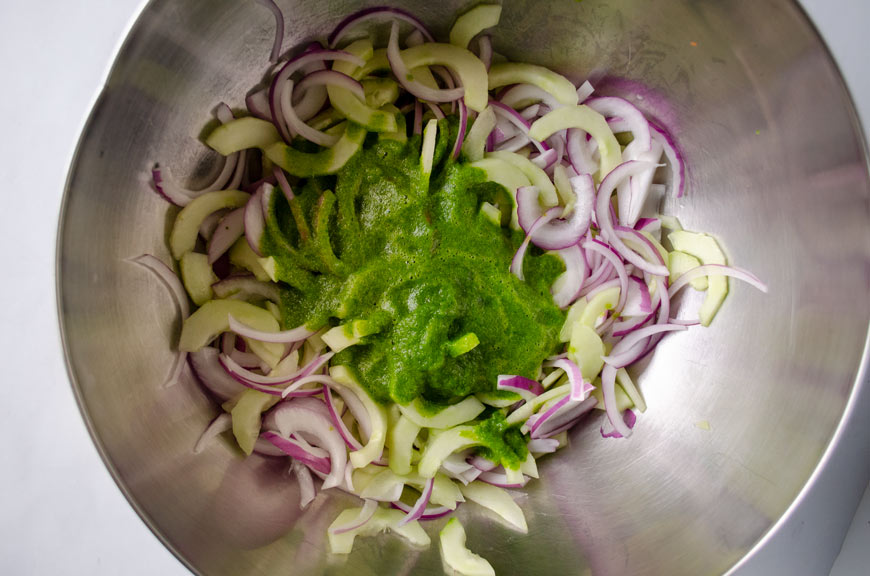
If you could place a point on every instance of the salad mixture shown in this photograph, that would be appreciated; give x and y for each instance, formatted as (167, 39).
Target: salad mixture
(421, 265)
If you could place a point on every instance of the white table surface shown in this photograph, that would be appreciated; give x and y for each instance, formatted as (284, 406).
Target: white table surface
(60, 511)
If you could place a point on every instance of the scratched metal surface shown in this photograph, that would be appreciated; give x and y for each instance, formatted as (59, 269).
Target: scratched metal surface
(777, 169)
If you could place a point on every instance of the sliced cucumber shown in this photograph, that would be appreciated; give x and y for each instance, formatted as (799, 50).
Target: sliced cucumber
(375, 445)
(586, 119)
(522, 413)
(197, 277)
(498, 400)
(347, 103)
(400, 443)
(475, 141)
(535, 175)
(507, 175)
(212, 319)
(443, 445)
(340, 337)
(241, 134)
(464, 411)
(243, 256)
(498, 500)
(427, 153)
(463, 345)
(507, 73)
(459, 558)
(586, 349)
(468, 67)
(600, 303)
(383, 519)
(380, 91)
(473, 22)
(401, 133)
(623, 400)
(679, 263)
(247, 417)
(182, 239)
(326, 161)
(707, 250)
(491, 213)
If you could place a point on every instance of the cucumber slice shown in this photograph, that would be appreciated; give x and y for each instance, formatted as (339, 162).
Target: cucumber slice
(522, 413)
(400, 443)
(507, 175)
(473, 22)
(340, 337)
(463, 345)
(564, 188)
(623, 400)
(491, 213)
(475, 141)
(212, 318)
(574, 313)
(401, 133)
(707, 250)
(375, 446)
(182, 239)
(679, 263)
(327, 161)
(243, 256)
(535, 175)
(600, 303)
(247, 417)
(241, 134)
(443, 445)
(380, 91)
(627, 384)
(468, 67)
(454, 415)
(347, 103)
(498, 500)
(197, 277)
(507, 73)
(586, 350)
(459, 558)
(427, 153)
(383, 519)
(586, 119)
(499, 399)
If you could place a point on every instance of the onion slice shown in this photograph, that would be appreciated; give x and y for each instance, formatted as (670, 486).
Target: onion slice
(420, 506)
(716, 270)
(365, 514)
(287, 336)
(516, 267)
(403, 75)
(218, 426)
(376, 13)
(306, 484)
(279, 28)
(562, 232)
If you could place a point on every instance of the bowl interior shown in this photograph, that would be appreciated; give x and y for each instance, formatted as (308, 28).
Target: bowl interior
(776, 170)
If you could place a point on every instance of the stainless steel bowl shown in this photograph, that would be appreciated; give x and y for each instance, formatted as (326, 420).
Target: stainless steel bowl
(777, 170)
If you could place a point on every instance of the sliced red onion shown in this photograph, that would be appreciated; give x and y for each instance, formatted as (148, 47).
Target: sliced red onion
(286, 336)
(639, 187)
(650, 225)
(605, 221)
(559, 233)
(288, 417)
(279, 28)
(500, 479)
(306, 484)
(365, 514)
(608, 254)
(516, 267)
(295, 124)
(281, 179)
(279, 82)
(514, 117)
(257, 103)
(418, 118)
(265, 448)
(484, 44)
(241, 357)
(348, 438)
(297, 452)
(376, 13)
(176, 290)
(514, 144)
(482, 464)
(246, 378)
(239, 174)
(436, 111)
(638, 301)
(543, 445)
(420, 506)
(621, 355)
(562, 418)
(403, 75)
(209, 224)
(432, 513)
(525, 387)
(566, 288)
(414, 38)
(580, 388)
(545, 159)
(579, 152)
(628, 417)
(530, 112)
(210, 373)
(463, 124)
(246, 287)
(611, 106)
(254, 220)
(716, 270)
(218, 426)
(229, 229)
(584, 91)
(521, 93)
(608, 390)
(672, 153)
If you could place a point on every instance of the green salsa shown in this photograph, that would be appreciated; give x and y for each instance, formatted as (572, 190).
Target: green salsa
(423, 267)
